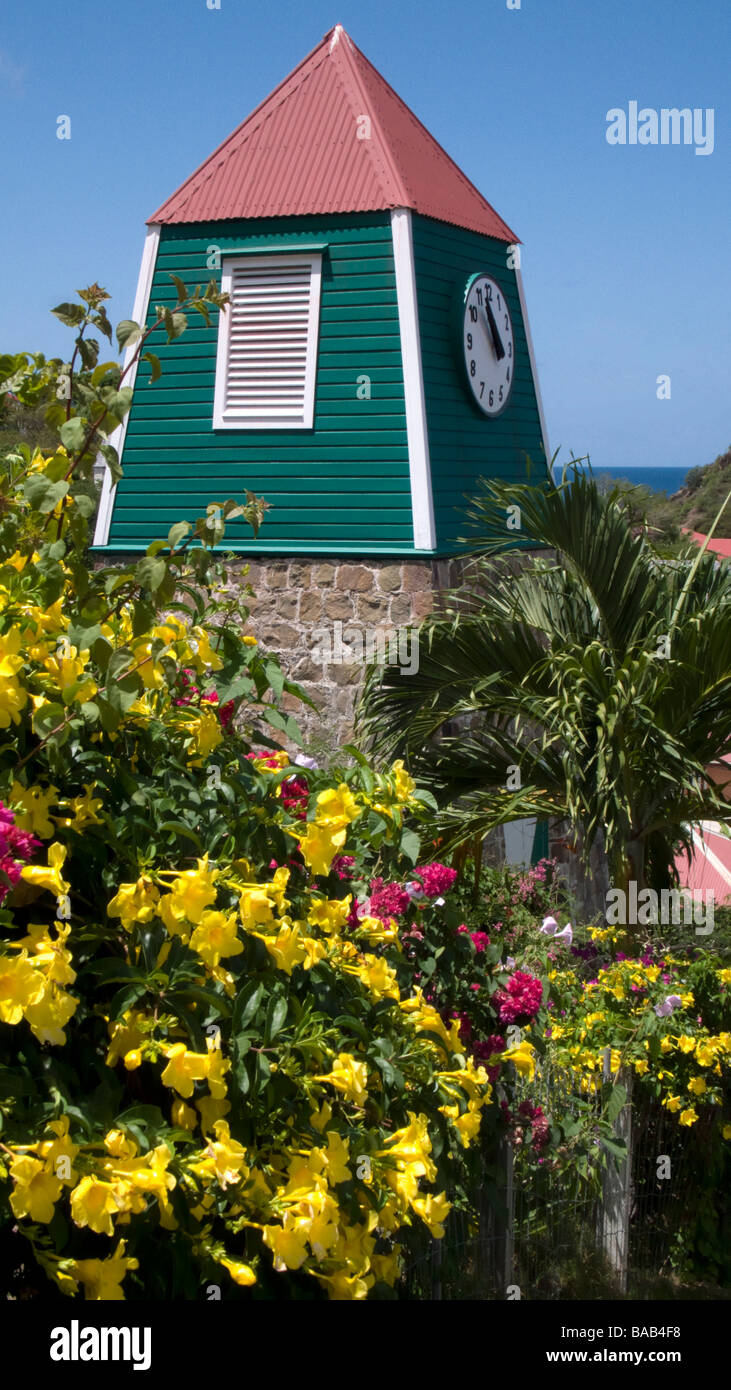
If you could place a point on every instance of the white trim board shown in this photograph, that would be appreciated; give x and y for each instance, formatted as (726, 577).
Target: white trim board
(422, 503)
(534, 369)
(139, 314)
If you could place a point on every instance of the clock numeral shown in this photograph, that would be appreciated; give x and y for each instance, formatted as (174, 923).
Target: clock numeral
(488, 292)
(508, 375)
(491, 398)
(479, 297)
(469, 342)
(499, 302)
(510, 349)
(473, 312)
(473, 367)
(507, 323)
(482, 389)
(500, 394)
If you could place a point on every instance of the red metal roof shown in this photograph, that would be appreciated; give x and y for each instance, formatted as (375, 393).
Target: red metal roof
(718, 544)
(299, 152)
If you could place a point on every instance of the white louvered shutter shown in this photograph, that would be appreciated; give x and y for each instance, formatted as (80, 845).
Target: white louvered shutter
(266, 373)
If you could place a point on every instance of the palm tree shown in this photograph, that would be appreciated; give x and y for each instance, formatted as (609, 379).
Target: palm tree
(592, 682)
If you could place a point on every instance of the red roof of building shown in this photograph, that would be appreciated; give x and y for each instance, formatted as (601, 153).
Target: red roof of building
(299, 152)
(717, 544)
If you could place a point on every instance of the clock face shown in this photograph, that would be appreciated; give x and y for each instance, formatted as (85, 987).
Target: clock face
(488, 344)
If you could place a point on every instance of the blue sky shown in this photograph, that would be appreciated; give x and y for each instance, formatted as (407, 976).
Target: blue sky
(626, 258)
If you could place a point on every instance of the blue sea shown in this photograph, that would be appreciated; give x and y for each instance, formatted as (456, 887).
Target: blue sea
(657, 479)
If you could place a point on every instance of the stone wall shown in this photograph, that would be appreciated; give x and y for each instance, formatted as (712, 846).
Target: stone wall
(303, 608)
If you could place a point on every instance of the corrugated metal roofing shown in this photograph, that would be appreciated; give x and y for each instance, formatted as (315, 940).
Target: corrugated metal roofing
(300, 152)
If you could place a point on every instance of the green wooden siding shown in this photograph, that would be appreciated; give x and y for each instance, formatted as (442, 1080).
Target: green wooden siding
(343, 486)
(463, 444)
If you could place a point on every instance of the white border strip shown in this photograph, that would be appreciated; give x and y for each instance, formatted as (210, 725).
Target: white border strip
(422, 502)
(139, 314)
(534, 369)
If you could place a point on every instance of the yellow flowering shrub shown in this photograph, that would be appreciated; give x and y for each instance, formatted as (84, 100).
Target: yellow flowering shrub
(209, 1072)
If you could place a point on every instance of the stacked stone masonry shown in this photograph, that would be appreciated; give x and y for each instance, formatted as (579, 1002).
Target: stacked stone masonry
(304, 610)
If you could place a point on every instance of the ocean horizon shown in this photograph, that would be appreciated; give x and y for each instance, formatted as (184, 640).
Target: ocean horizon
(657, 478)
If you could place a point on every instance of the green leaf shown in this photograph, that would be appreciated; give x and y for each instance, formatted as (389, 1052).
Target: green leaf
(180, 287)
(177, 533)
(111, 458)
(155, 368)
(616, 1101)
(410, 845)
(127, 333)
(275, 1016)
(70, 314)
(150, 572)
(275, 676)
(247, 1003)
(42, 494)
(73, 433)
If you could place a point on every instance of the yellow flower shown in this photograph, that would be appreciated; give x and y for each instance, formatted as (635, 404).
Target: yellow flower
(205, 733)
(85, 809)
(20, 986)
(182, 1115)
(697, 1085)
(10, 659)
(93, 1204)
(66, 667)
(36, 1189)
(688, 1117)
(705, 1054)
(48, 1014)
(224, 1159)
(202, 655)
(12, 700)
(240, 1273)
(249, 641)
(319, 844)
(134, 902)
(34, 803)
(183, 1069)
(287, 1244)
(191, 892)
(378, 977)
(405, 785)
(672, 1103)
(349, 1076)
(524, 1058)
(686, 1043)
(255, 905)
(433, 1211)
(211, 1109)
(215, 936)
(336, 807)
(726, 1131)
(287, 948)
(102, 1279)
(330, 914)
(50, 877)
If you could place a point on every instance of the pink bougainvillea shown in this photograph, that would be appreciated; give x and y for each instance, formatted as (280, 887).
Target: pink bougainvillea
(520, 1001)
(16, 848)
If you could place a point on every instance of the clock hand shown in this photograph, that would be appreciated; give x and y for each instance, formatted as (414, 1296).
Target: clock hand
(496, 339)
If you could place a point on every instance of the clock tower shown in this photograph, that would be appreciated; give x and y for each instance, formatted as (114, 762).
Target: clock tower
(374, 362)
